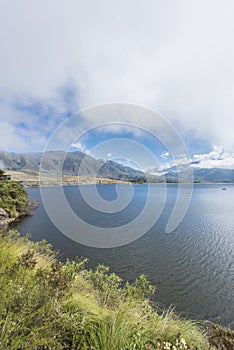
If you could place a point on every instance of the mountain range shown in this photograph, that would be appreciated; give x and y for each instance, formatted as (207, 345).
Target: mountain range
(70, 163)
(199, 174)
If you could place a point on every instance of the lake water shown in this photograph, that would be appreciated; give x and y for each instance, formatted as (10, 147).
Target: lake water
(192, 268)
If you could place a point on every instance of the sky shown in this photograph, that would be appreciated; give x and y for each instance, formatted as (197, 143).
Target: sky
(59, 58)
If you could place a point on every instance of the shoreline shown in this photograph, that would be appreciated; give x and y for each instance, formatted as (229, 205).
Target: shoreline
(4, 223)
(30, 180)
(42, 185)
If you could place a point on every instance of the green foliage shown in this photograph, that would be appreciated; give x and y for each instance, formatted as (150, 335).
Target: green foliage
(140, 289)
(13, 198)
(105, 285)
(31, 296)
(48, 305)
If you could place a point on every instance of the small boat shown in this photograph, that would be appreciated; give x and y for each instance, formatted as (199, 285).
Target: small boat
(224, 189)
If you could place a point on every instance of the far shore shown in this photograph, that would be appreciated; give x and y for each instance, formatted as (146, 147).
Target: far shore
(50, 180)
(44, 180)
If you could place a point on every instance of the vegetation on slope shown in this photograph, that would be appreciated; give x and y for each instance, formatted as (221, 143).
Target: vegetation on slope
(13, 198)
(46, 304)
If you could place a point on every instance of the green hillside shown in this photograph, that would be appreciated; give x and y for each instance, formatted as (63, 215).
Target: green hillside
(13, 198)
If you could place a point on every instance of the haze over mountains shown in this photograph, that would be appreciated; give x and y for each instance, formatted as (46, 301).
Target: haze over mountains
(200, 174)
(53, 160)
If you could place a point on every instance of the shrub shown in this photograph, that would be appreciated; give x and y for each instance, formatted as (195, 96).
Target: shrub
(13, 198)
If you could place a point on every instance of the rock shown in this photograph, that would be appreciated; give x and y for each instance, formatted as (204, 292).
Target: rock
(3, 214)
(33, 205)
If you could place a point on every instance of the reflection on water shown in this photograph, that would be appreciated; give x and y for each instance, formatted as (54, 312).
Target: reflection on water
(193, 267)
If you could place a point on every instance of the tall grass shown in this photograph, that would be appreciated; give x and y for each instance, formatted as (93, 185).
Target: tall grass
(64, 306)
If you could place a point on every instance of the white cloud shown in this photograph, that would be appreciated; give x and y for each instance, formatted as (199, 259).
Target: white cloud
(184, 160)
(9, 136)
(81, 147)
(217, 158)
(165, 155)
(175, 57)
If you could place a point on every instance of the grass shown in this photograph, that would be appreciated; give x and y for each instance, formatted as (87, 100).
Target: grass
(45, 304)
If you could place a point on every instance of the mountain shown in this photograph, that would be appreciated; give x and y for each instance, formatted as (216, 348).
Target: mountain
(199, 174)
(53, 161)
(213, 175)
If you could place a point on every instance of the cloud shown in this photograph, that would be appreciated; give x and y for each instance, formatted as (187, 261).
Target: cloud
(179, 163)
(9, 136)
(217, 158)
(174, 57)
(81, 147)
(164, 155)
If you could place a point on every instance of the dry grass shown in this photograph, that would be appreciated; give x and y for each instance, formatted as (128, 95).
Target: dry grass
(29, 179)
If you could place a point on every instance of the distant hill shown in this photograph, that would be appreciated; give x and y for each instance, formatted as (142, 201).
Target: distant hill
(30, 163)
(200, 174)
(214, 175)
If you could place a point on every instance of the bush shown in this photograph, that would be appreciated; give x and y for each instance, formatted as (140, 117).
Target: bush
(13, 198)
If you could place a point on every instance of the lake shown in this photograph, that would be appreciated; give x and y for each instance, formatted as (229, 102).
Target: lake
(192, 267)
